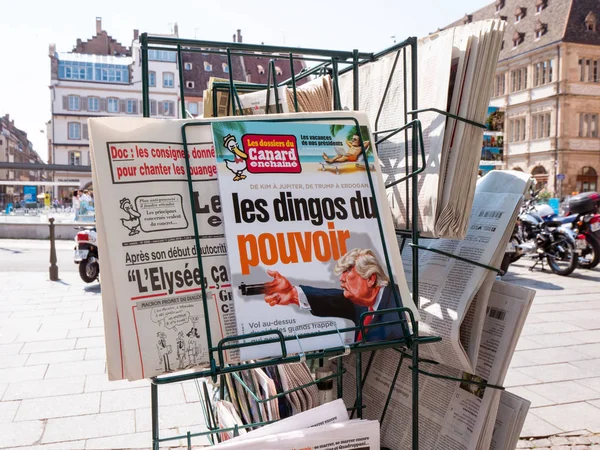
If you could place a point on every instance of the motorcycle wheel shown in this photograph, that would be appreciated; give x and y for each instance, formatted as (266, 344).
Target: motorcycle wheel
(590, 257)
(561, 256)
(89, 271)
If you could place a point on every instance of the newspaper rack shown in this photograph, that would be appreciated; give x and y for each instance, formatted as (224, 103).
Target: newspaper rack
(327, 61)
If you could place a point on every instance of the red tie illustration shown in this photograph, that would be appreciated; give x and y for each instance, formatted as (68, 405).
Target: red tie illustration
(367, 320)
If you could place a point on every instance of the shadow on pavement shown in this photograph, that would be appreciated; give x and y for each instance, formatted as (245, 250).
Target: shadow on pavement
(11, 250)
(92, 288)
(521, 280)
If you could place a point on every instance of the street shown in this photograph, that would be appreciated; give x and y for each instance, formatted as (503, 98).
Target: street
(23, 255)
(54, 391)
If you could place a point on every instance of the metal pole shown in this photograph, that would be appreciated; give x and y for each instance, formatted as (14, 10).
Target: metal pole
(154, 403)
(53, 266)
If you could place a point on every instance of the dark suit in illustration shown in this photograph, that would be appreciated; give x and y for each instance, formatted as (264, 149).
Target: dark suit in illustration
(332, 303)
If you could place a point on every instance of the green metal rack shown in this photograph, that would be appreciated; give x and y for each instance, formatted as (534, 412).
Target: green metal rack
(333, 63)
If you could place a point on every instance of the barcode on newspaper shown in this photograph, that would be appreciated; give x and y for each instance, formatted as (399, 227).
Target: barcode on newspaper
(496, 313)
(491, 214)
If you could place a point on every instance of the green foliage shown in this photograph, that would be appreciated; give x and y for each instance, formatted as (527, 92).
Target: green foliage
(544, 195)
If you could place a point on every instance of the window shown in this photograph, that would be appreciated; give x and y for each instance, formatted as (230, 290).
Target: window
(517, 129)
(540, 5)
(162, 55)
(111, 73)
(75, 158)
(152, 79)
(168, 80)
(74, 130)
(540, 29)
(587, 180)
(590, 22)
(542, 73)
(541, 125)
(499, 5)
(588, 125)
(189, 84)
(152, 107)
(93, 104)
(519, 14)
(261, 69)
(207, 66)
(518, 79)
(518, 39)
(187, 66)
(168, 108)
(74, 103)
(588, 70)
(225, 68)
(131, 106)
(91, 71)
(500, 85)
(112, 105)
(193, 108)
(541, 177)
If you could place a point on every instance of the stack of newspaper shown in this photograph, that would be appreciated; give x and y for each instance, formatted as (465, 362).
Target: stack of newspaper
(325, 427)
(453, 293)
(254, 396)
(459, 415)
(314, 96)
(455, 74)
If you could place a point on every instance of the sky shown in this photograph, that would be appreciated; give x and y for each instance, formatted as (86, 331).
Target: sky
(28, 27)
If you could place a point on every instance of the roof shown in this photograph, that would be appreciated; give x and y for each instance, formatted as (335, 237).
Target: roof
(576, 31)
(200, 76)
(554, 17)
(96, 59)
(257, 75)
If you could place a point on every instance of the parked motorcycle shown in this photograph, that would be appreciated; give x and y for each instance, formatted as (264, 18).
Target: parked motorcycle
(86, 253)
(542, 240)
(581, 214)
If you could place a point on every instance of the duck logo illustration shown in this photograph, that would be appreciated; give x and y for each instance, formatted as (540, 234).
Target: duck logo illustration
(132, 223)
(238, 165)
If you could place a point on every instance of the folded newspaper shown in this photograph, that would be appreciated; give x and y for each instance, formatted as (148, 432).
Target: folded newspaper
(453, 293)
(452, 414)
(455, 74)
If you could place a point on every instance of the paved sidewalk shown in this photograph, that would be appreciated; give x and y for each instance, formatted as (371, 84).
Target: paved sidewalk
(557, 362)
(53, 387)
(54, 393)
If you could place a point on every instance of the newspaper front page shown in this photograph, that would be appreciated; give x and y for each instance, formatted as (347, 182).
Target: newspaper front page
(348, 435)
(149, 253)
(447, 286)
(452, 415)
(300, 222)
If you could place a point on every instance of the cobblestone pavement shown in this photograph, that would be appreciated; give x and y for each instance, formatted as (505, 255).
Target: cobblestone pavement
(54, 393)
(53, 387)
(557, 362)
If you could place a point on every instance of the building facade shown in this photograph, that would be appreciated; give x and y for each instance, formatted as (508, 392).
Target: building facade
(548, 87)
(16, 148)
(101, 77)
(199, 67)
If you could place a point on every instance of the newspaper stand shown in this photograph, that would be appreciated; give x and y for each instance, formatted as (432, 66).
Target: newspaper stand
(326, 61)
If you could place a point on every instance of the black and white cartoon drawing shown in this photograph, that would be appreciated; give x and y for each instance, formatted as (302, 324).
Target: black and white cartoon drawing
(238, 165)
(181, 356)
(194, 330)
(163, 351)
(193, 351)
(133, 222)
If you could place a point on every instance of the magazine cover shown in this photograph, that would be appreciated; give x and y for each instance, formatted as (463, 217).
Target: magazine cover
(151, 279)
(303, 233)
